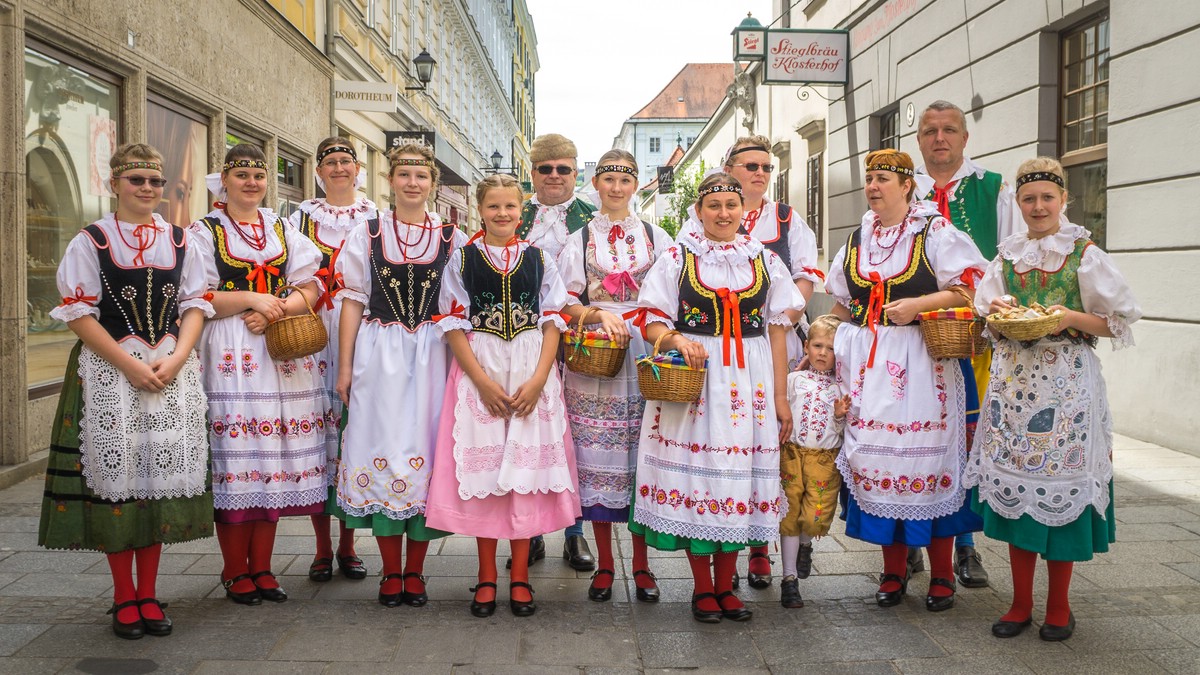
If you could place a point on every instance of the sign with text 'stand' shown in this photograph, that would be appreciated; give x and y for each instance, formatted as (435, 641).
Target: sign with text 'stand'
(806, 57)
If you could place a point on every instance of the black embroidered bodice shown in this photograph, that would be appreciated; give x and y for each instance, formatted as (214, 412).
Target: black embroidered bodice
(780, 245)
(308, 228)
(916, 279)
(702, 309)
(406, 292)
(142, 302)
(237, 274)
(504, 305)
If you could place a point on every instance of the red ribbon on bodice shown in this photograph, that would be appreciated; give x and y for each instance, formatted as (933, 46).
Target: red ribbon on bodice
(731, 315)
(874, 310)
(259, 276)
(941, 195)
(332, 281)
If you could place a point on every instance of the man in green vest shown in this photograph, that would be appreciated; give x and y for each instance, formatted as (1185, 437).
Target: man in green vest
(980, 203)
(553, 213)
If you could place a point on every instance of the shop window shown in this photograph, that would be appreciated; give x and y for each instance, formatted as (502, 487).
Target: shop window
(71, 131)
(814, 196)
(182, 137)
(1083, 138)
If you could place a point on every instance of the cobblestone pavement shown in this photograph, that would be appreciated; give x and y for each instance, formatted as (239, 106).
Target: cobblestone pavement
(1138, 608)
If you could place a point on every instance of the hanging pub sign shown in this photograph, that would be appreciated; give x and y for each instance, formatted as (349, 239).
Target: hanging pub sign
(748, 40)
(800, 56)
(666, 180)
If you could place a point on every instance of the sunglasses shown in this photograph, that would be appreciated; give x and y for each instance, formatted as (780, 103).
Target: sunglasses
(755, 166)
(139, 181)
(547, 169)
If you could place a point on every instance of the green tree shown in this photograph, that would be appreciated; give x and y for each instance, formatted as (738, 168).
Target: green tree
(687, 183)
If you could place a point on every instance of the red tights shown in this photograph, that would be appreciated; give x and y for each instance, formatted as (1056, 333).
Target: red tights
(124, 590)
(606, 561)
(1058, 606)
(320, 525)
(246, 548)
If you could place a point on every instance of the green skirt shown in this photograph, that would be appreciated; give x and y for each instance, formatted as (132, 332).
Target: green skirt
(381, 525)
(669, 542)
(73, 517)
(1076, 541)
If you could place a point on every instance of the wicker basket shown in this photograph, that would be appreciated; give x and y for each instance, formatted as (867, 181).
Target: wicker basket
(663, 378)
(1024, 330)
(953, 334)
(294, 337)
(589, 353)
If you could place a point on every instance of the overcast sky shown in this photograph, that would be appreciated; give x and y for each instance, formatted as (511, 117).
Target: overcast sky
(602, 60)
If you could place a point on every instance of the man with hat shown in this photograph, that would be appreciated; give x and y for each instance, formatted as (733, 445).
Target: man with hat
(980, 203)
(553, 213)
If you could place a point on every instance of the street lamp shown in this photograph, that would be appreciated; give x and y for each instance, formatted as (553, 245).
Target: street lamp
(497, 158)
(424, 64)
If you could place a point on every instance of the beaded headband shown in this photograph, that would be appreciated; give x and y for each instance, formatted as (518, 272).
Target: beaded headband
(335, 148)
(129, 166)
(616, 168)
(905, 171)
(244, 164)
(748, 148)
(718, 188)
(405, 161)
(1040, 175)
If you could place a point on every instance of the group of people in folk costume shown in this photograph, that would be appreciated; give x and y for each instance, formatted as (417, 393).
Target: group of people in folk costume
(439, 404)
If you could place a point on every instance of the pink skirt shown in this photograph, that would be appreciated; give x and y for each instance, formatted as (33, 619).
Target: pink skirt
(508, 516)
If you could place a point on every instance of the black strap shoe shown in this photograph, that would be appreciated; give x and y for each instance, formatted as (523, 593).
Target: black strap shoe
(599, 593)
(890, 598)
(133, 630)
(936, 603)
(253, 597)
(414, 599)
(276, 594)
(483, 609)
(577, 554)
(1008, 629)
(704, 616)
(789, 593)
(391, 599)
(321, 570)
(646, 594)
(352, 567)
(804, 561)
(758, 580)
(159, 627)
(742, 613)
(518, 607)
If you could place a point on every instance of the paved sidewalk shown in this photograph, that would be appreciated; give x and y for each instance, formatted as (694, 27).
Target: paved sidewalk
(1138, 608)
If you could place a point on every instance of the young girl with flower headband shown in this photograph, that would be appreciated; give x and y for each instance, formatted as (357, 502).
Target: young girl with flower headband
(707, 479)
(904, 448)
(392, 371)
(266, 417)
(327, 222)
(504, 466)
(1043, 450)
(128, 457)
(603, 267)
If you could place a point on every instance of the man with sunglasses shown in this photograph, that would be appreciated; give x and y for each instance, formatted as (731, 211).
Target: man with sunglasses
(553, 213)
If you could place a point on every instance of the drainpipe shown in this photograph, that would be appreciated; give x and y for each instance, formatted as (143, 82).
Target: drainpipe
(330, 12)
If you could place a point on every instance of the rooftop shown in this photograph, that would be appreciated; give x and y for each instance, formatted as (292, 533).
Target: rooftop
(694, 93)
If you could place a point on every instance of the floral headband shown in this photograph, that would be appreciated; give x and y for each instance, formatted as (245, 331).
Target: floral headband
(718, 188)
(1040, 175)
(904, 171)
(405, 161)
(616, 168)
(129, 166)
(244, 164)
(336, 148)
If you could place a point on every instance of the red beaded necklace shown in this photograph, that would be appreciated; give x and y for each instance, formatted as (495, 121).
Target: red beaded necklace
(256, 241)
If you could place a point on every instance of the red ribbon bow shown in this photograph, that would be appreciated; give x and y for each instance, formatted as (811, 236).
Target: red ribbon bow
(639, 318)
(941, 195)
(874, 310)
(79, 297)
(139, 233)
(332, 281)
(456, 310)
(617, 232)
(731, 315)
(815, 272)
(259, 276)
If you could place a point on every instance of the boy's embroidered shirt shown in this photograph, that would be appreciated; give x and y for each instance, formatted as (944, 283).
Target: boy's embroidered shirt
(811, 395)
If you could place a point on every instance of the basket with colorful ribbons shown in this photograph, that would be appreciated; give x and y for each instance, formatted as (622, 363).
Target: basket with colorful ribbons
(953, 333)
(294, 337)
(667, 377)
(589, 352)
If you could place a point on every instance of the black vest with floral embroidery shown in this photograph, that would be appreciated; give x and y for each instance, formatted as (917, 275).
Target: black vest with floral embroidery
(701, 308)
(138, 301)
(406, 292)
(235, 273)
(504, 305)
(916, 279)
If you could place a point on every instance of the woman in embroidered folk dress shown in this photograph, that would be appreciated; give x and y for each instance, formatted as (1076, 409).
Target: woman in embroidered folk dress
(327, 222)
(128, 455)
(505, 468)
(708, 472)
(392, 371)
(603, 266)
(904, 449)
(1043, 450)
(266, 418)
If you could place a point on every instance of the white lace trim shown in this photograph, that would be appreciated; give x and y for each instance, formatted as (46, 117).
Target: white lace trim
(198, 303)
(75, 310)
(1122, 333)
(604, 224)
(372, 509)
(742, 246)
(606, 499)
(139, 445)
(1019, 247)
(272, 500)
(339, 218)
(555, 318)
(738, 535)
(781, 319)
(357, 296)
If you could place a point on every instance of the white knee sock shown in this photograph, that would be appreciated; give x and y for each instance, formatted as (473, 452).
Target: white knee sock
(805, 539)
(790, 546)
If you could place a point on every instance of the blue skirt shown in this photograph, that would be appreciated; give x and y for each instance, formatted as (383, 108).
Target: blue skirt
(603, 514)
(886, 531)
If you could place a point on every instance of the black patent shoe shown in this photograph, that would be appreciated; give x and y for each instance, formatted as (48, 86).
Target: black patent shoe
(597, 593)
(1047, 632)
(577, 554)
(646, 594)
(890, 598)
(253, 597)
(127, 631)
(968, 567)
(518, 607)
(789, 593)
(737, 581)
(391, 599)
(321, 570)
(483, 609)
(704, 616)
(804, 561)
(936, 603)
(916, 561)
(414, 599)
(742, 613)
(759, 581)
(1008, 629)
(352, 567)
(276, 594)
(158, 627)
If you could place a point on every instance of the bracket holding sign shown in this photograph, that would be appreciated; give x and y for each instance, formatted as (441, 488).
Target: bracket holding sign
(806, 57)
